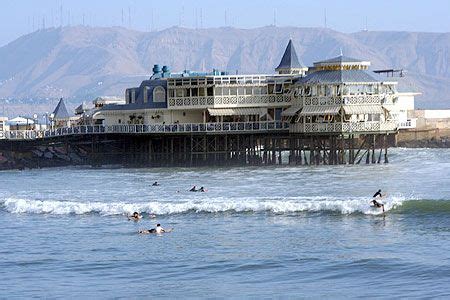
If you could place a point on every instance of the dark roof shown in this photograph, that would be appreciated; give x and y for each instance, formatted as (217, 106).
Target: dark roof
(339, 59)
(60, 111)
(290, 59)
(337, 76)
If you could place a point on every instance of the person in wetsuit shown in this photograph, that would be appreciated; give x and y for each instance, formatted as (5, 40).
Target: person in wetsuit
(193, 189)
(155, 183)
(135, 216)
(158, 230)
(375, 202)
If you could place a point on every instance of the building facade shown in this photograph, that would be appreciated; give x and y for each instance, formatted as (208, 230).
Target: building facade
(334, 96)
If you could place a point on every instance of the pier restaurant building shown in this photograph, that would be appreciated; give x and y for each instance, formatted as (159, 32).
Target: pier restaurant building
(334, 96)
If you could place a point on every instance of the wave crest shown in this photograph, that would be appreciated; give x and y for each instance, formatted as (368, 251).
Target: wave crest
(278, 206)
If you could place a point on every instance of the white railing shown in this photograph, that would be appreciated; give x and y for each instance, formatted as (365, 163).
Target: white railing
(407, 124)
(157, 128)
(339, 100)
(343, 127)
(226, 101)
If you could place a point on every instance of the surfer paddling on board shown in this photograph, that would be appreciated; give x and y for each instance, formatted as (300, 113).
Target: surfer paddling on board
(157, 230)
(135, 216)
(375, 202)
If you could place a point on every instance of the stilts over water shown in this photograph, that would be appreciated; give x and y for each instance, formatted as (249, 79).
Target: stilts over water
(335, 112)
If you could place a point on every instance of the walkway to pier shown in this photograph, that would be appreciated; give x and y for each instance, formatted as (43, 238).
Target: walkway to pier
(235, 127)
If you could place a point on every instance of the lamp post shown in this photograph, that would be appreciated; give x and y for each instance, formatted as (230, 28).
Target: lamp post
(35, 121)
(51, 116)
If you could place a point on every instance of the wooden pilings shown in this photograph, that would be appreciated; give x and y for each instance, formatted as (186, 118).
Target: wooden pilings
(238, 149)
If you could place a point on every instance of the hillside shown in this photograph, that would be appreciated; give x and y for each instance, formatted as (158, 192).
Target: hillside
(80, 63)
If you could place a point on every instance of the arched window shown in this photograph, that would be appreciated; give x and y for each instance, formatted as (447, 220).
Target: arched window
(159, 94)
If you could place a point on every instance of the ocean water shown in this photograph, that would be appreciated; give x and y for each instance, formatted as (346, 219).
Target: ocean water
(283, 232)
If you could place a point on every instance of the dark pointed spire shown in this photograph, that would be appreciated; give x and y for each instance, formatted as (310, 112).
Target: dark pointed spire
(60, 111)
(290, 59)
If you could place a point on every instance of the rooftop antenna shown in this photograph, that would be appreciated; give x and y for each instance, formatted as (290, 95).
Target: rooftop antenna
(274, 17)
(129, 17)
(152, 21)
(182, 16)
(340, 50)
(365, 28)
(196, 18)
(325, 17)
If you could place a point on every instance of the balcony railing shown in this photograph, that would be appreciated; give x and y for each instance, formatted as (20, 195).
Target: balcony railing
(344, 127)
(346, 99)
(228, 101)
(148, 129)
(407, 124)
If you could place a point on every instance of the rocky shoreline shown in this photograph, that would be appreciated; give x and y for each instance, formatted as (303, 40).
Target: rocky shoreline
(41, 157)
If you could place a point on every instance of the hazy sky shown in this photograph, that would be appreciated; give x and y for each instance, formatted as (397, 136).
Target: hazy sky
(18, 17)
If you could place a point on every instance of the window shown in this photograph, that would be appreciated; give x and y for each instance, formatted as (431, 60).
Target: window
(171, 93)
(218, 91)
(145, 94)
(179, 92)
(127, 96)
(271, 88)
(328, 90)
(159, 94)
(210, 91)
(307, 91)
(248, 90)
(233, 91)
(201, 92)
(278, 88)
(241, 91)
(226, 91)
(133, 96)
(194, 92)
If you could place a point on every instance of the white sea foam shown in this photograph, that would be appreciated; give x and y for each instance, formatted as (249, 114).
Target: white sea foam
(217, 205)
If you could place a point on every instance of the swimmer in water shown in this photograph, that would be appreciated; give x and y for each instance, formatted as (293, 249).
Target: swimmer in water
(157, 230)
(193, 189)
(155, 183)
(375, 202)
(202, 189)
(135, 216)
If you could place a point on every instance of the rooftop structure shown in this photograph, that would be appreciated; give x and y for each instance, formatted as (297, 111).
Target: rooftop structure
(60, 111)
(290, 64)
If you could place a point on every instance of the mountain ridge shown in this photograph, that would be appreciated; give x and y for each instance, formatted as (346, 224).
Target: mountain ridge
(81, 62)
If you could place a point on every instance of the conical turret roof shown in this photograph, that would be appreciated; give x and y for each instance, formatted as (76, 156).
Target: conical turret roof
(290, 59)
(60, 111)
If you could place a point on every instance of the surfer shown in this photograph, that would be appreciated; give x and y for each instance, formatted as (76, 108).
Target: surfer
(193, 189)
(375, 202)
(202, 189)
(157, 230)
(135, 216)
(155, 183)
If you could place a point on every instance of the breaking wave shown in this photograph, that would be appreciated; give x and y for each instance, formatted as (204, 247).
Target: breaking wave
(220, 205)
